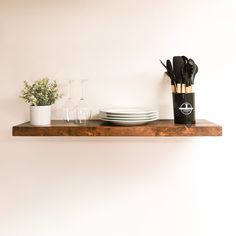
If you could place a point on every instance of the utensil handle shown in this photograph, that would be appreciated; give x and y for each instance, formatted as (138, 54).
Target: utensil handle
(188, 89)
(173, 89)
(192, 88)
(178, 88)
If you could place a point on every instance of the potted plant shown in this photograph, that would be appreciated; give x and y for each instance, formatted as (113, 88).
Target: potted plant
(40, 95)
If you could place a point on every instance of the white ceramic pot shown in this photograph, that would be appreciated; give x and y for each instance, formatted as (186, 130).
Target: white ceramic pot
(40, 115)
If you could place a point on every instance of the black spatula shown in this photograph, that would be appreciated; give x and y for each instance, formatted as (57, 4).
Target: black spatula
(178, 66)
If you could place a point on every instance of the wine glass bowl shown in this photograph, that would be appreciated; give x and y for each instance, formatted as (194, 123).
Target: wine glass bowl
(83, 112)
(69, 107)
(83, 109)
(69, 110)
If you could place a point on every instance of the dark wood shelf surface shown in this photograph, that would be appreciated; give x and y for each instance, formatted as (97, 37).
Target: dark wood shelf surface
(100, 128)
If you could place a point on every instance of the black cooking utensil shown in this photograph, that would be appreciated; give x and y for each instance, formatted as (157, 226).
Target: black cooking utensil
(163, 65)
(178, 66)
(192, 71)
(185, 78)
(185, 81)
(171, 75)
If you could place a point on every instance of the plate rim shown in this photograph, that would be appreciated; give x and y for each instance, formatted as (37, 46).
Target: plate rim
(129, 118)
(129, 122)
(128, 111)
(129, 115)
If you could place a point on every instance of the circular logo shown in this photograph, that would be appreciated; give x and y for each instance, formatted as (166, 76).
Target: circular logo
(186, 108)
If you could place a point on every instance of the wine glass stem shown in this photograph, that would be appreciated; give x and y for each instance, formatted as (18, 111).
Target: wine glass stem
(70, 84)
(82, 91)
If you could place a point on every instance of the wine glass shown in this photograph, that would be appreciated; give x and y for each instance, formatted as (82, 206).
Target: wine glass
(69, 108)
(83, 110)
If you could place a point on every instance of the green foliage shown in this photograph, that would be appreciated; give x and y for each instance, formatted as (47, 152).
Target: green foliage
(41, 93)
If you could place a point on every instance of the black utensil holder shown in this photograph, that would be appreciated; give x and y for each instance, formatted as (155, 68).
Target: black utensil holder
(184, 108)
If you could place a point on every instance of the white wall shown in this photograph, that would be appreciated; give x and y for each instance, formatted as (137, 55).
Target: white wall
(118, 186)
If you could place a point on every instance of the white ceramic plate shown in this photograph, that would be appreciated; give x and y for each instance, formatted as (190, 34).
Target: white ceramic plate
(129, 118)
(129, 115)
(131, 122)
(128, 111)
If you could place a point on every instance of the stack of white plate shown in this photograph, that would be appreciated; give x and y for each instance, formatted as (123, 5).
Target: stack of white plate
(128, 116)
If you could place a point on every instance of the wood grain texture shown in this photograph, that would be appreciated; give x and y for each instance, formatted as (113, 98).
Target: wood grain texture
(100, 128)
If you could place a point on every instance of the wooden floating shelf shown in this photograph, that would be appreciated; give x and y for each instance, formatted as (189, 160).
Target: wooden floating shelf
(100, 128)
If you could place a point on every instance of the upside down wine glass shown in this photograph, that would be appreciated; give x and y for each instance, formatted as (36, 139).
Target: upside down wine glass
(83, 110)
(69, 109)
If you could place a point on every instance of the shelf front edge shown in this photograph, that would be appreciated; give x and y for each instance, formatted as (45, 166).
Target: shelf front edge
(163, 128)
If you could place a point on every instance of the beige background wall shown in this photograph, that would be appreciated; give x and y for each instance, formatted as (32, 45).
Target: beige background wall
(118, 186)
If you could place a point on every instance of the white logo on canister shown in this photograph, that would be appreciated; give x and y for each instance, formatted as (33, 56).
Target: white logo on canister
(186, 108)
